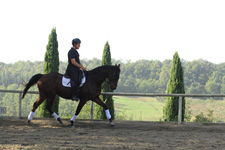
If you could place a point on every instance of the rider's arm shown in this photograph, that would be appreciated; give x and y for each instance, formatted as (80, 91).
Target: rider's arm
(73, 61)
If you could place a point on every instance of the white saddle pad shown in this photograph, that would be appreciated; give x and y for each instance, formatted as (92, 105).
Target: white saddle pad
(66, 82)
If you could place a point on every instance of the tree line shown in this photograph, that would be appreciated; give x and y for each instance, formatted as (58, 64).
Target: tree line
(143, 76)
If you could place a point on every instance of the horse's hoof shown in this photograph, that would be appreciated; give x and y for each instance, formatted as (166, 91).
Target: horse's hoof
(111, 123)
(28, 122)
(60, 121)
(71, 124)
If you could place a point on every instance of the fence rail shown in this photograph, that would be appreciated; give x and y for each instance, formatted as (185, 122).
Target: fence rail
(128, 94)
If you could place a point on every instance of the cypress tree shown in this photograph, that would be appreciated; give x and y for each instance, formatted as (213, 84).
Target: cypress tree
(175, 85)
(51, 64)
(107, 99)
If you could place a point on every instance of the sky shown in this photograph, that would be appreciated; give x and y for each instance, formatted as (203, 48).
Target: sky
(135, 29)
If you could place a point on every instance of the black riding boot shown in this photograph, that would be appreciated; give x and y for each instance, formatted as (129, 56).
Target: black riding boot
(74, 92)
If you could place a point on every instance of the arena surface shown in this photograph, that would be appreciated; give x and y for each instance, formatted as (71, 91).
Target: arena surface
(99, 135)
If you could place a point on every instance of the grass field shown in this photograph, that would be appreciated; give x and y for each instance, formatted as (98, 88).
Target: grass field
(151, 109)
(196, 106)
(138, 108)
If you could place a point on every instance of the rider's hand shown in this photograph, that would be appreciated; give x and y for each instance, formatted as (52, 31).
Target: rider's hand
(83, 68)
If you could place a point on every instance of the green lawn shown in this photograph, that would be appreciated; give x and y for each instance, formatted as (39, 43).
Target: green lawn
(150, 109)
(138, 108)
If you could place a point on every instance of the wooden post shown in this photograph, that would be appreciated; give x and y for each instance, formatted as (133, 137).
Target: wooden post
(180, 110)
(92, 110)
(20, 104)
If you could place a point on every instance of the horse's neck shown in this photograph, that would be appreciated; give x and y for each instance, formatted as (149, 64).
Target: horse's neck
(100, 76)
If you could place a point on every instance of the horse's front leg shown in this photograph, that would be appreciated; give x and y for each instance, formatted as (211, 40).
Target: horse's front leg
(79, 107)
(99, 101)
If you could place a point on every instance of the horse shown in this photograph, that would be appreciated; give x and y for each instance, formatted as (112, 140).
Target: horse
(50, 85)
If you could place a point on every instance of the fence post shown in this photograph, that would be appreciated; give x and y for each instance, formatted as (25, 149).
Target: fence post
(20, 104)
(180, 110)
(92, 103)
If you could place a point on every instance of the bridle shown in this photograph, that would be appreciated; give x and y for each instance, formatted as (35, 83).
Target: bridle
(110, 82)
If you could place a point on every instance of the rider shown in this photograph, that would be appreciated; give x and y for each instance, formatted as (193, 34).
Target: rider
(74, 66)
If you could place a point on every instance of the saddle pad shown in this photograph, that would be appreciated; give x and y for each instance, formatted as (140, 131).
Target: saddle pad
(66, 82)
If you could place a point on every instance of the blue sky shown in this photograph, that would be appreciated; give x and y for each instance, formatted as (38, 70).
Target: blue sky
(135, 29)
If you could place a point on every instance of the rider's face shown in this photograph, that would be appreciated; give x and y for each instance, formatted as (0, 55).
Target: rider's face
(77, 46)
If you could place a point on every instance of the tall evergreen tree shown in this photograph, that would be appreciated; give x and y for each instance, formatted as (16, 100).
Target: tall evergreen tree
(107, 99)
(175, 85)
(51, 64)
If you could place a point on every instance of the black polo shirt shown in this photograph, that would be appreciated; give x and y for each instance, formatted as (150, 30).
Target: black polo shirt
(73, 54)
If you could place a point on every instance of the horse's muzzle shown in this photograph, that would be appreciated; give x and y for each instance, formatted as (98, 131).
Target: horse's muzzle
(112, 86)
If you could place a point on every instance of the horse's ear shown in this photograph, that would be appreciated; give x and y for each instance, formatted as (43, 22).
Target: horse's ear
(119, 65)
(116, 65)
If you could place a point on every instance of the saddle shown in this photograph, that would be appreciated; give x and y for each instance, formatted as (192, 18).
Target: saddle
(66, 79)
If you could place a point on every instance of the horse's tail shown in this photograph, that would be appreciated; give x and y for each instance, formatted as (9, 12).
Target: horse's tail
(32, 82)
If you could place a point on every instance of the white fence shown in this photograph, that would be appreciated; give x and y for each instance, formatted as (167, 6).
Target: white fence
(127, 94)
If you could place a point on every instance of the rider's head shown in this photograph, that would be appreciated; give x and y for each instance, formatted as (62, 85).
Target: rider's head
(76, 43)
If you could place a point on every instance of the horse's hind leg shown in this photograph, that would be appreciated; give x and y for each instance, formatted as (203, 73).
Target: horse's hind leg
(35, 106)
(50, 103)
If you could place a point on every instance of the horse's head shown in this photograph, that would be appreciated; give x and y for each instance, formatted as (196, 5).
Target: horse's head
(114, 76)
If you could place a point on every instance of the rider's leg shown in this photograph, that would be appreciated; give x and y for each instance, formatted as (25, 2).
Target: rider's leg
(74, 91)
(74, 83)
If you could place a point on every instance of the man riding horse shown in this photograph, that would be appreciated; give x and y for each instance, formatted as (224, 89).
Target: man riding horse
(74, 66)
(50, 85)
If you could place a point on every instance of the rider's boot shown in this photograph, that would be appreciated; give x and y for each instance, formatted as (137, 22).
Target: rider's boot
(74, 92)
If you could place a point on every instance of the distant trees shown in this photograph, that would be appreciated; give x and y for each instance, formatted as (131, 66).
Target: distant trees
(200, 77)
(107, 99)
(51, 64)
(175, 85)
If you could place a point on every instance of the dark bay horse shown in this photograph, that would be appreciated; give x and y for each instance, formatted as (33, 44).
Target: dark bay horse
(50, 85)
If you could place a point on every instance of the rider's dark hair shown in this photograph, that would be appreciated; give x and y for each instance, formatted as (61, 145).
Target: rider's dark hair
(75, 41)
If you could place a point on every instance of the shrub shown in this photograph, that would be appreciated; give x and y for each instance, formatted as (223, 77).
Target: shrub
(202, 118)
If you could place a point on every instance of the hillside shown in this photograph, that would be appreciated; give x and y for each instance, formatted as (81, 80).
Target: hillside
(151, 109)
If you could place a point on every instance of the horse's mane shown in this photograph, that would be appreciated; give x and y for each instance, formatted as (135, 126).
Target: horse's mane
(98, 69)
